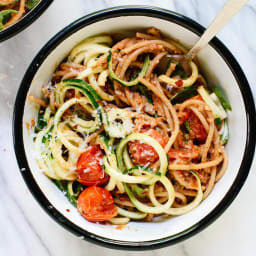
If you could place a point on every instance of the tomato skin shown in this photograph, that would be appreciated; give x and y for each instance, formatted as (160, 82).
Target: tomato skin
(142, 153)
(197, 130)
(96, 204)
(90, 171)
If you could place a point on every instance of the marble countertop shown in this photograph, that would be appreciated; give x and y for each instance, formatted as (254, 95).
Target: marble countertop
(25, 229)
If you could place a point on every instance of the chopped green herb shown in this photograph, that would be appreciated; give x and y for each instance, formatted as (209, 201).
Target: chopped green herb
(186, 124)
(222, 100)
(158, 173)
(144, 91)
(51, 155)
(44, 139)
(30, 4)
(179, 71)
(59, 184)
(50, 130)
(218, 121)
(5, 15)
(63, 187)
(78, 187)
(71, 198)
(41, 123)
(126, 171)
(142, 168)
(186, 93)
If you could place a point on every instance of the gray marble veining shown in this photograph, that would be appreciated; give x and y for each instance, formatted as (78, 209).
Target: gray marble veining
(25, 229)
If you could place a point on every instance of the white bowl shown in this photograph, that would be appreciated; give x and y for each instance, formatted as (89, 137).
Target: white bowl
(219, 67)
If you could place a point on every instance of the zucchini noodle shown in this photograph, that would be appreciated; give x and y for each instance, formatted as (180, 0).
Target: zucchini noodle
(116, 119)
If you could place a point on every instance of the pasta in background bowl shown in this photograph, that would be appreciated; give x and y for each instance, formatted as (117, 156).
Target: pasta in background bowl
(128, 169)
(16, 15)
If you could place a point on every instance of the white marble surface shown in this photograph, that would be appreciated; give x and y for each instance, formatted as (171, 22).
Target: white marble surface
(25, 229)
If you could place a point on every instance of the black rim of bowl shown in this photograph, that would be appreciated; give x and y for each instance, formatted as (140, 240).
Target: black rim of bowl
(25, 21)
(133, 11)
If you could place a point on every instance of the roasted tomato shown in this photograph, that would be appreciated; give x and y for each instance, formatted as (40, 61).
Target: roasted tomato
(89, 169)
(142, 153)
(96, 204)
(197, 130)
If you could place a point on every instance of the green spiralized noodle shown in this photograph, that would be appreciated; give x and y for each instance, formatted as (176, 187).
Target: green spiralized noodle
(127, 160)
(70, 139)
(111, 157)
(93, 42)
(185, 82)
(184, 209)
(94, 83)
(67, 105)
(154, 209)
(131, 215)
(124, 177)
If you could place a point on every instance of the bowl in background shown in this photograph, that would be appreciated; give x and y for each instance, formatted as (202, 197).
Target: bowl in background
(25, 21)
(219, 67)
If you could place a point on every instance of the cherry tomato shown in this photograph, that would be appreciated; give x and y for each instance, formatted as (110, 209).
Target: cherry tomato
(89, 169)
(142, 153)
(197, 130)
(96, 204)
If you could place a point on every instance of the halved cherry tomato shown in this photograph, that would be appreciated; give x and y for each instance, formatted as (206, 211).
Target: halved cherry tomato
(197, 130)
(96, 204)
(90, 171)
(142, 153)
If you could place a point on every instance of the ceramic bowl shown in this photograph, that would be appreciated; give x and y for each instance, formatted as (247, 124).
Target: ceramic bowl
(219, 67)
(25, 21)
